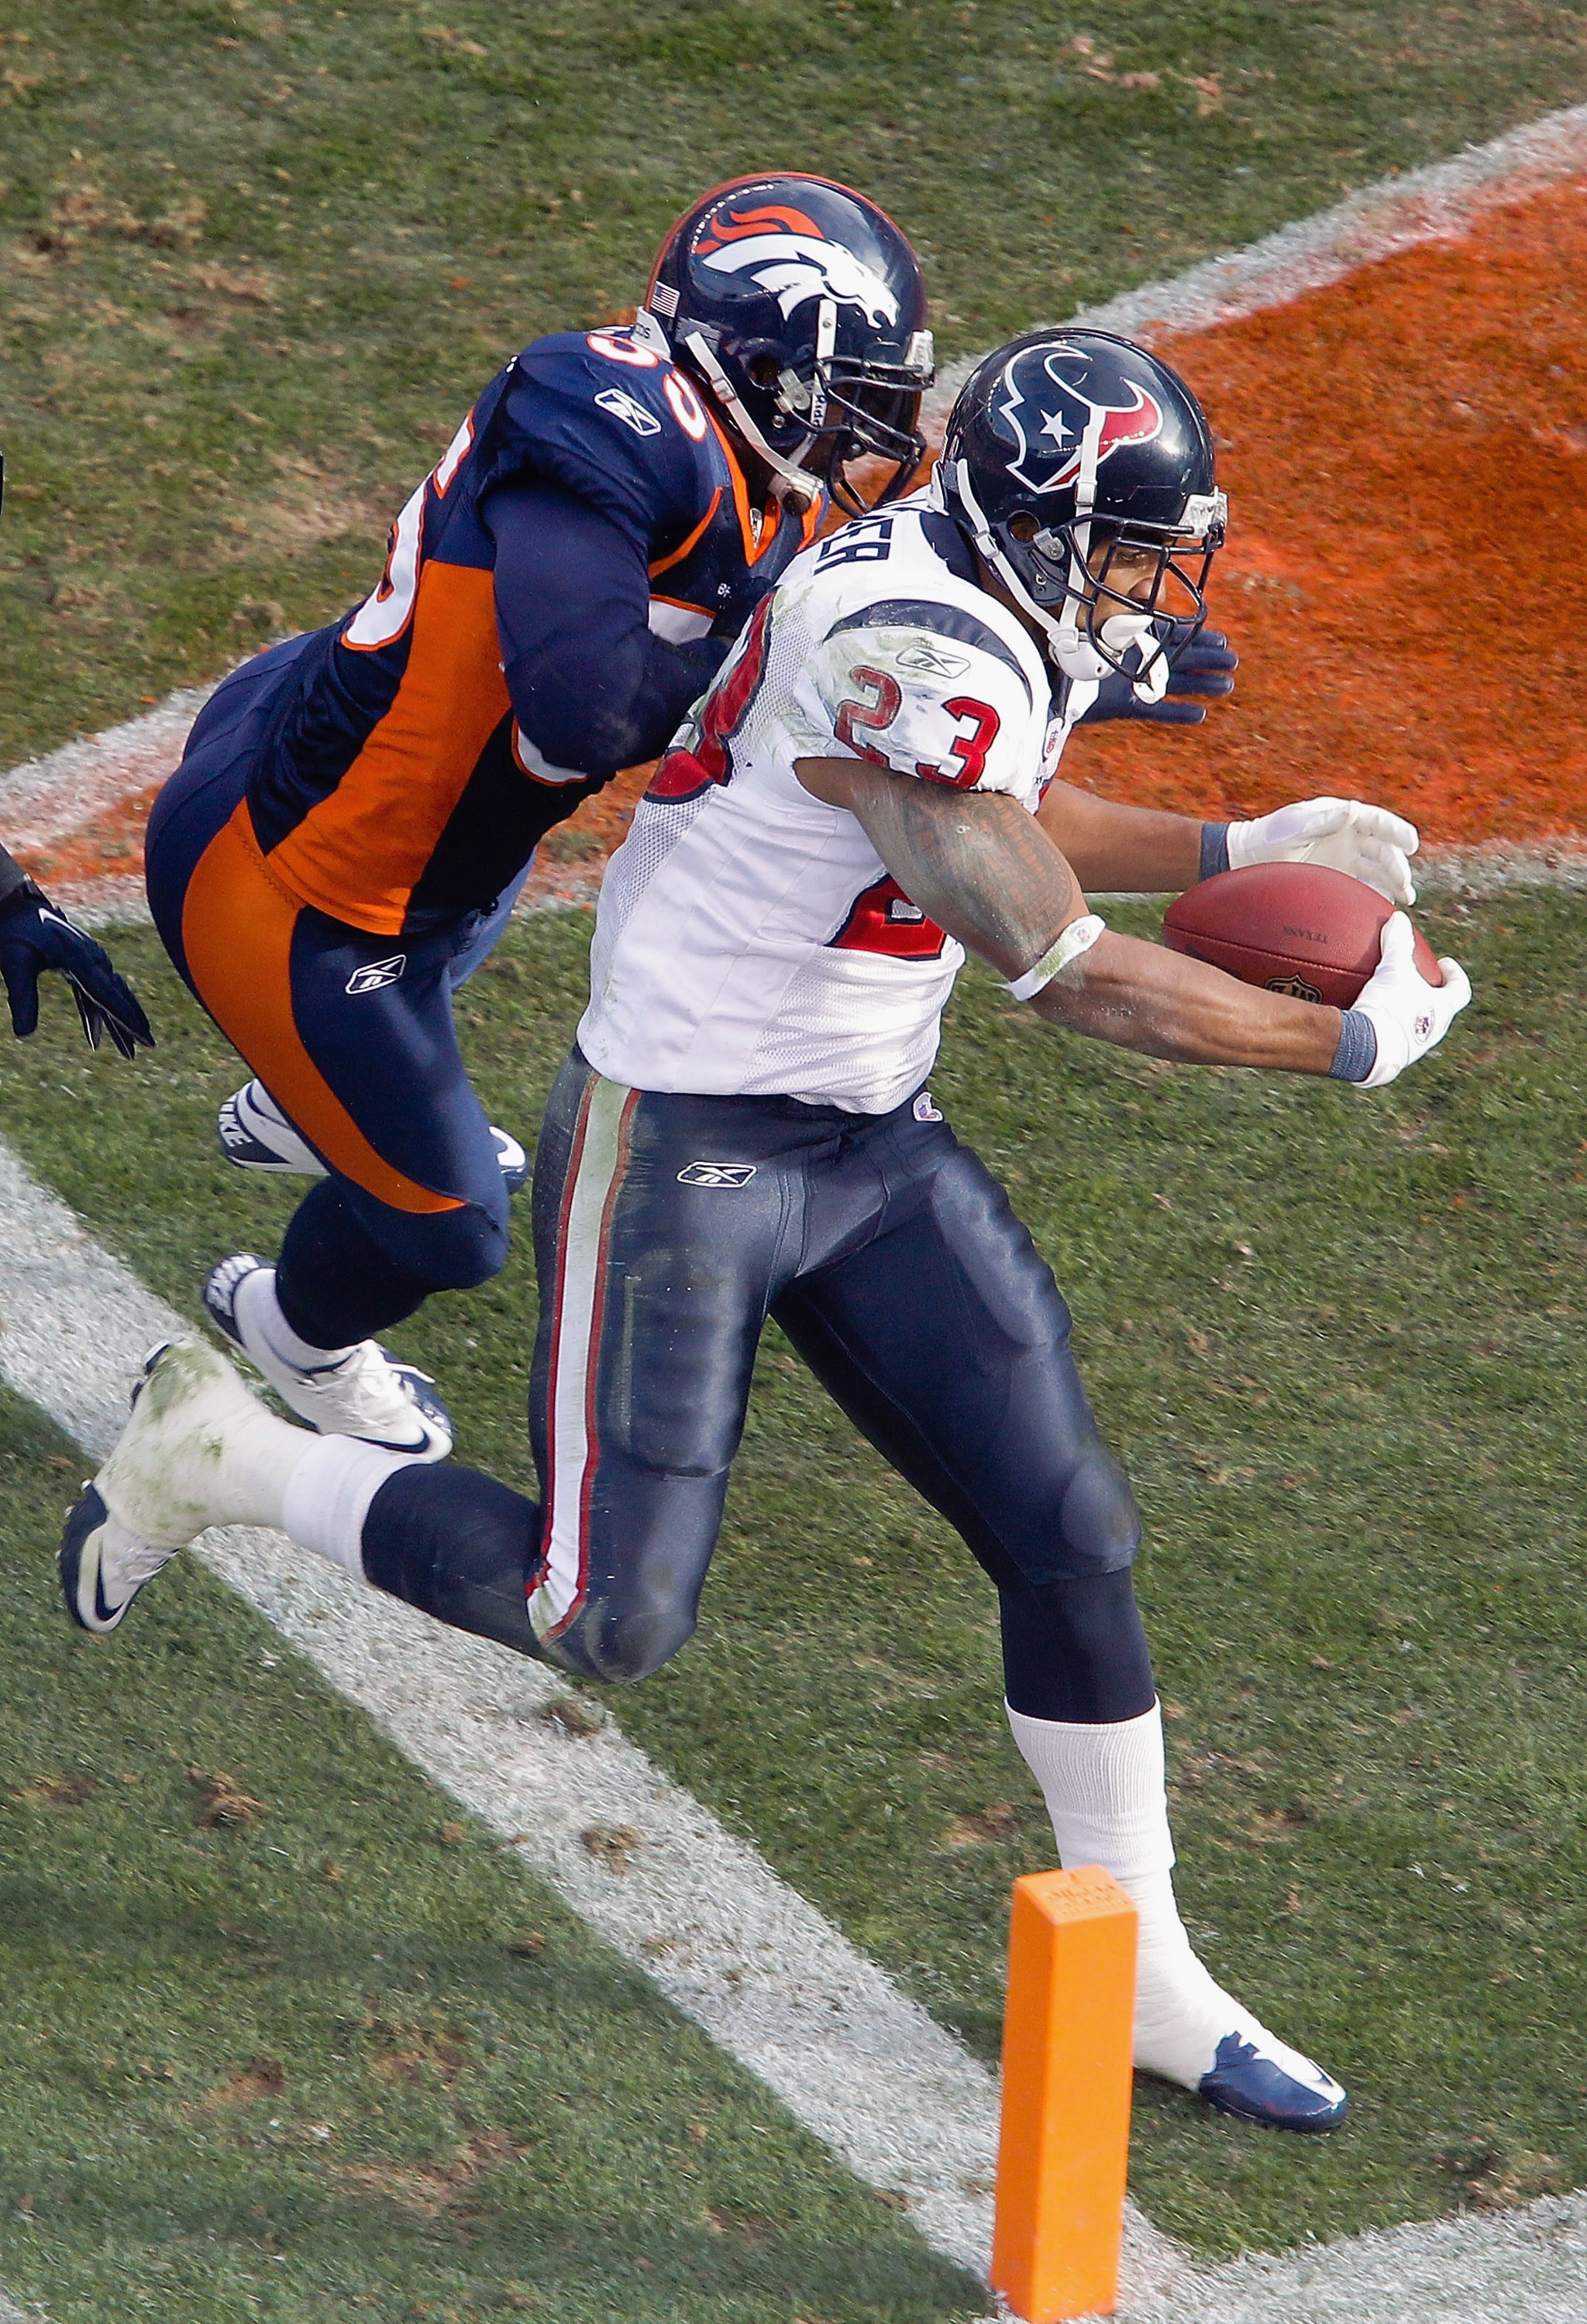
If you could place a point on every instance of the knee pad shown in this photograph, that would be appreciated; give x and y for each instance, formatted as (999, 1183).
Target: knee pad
(619, 1644)
(1099, 1523)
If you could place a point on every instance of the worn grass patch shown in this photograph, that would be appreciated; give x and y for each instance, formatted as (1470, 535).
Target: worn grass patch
(257, 260)
(1338, 1341)
(283, 2038)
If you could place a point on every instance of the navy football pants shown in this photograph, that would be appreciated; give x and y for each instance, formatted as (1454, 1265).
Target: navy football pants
(351, 1033)
(667, 1230)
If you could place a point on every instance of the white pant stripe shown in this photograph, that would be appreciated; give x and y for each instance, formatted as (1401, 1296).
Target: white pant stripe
(579, 1294)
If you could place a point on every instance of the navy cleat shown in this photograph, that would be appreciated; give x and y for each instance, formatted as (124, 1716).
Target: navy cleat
(510, 1159)
(1262, 2080)
(102, 1564)
(255, 1134)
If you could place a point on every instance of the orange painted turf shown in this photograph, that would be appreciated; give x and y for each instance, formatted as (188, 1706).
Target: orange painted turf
(1406, 580)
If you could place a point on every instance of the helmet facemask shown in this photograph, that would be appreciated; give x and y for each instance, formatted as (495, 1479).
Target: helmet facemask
(812, 417)
(1123, 591)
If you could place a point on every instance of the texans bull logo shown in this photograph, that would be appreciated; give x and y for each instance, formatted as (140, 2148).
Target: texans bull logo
(1071, 422)
(785, 253)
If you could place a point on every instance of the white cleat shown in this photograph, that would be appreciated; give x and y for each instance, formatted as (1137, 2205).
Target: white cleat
(255, 1134)
(163, 1485)
(362, 1392)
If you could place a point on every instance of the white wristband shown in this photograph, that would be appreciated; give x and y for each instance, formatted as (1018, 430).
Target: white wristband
(1077, 938)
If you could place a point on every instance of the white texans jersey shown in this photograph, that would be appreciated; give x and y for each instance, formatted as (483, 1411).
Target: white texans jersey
(750, 940)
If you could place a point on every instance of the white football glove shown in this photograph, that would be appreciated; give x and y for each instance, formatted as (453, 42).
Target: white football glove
(1409, 1016)
(1367, 842)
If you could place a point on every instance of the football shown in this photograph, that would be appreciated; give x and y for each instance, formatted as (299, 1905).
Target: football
(1290, 928)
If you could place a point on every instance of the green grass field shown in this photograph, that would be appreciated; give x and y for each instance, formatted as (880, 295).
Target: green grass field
(1337, 1341)
(256, 261)
(283, 2039)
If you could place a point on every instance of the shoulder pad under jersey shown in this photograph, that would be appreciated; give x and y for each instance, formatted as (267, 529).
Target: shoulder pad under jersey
(916, 668)
(603, 413)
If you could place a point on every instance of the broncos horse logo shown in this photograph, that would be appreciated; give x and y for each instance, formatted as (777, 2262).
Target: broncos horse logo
(785, 253)
(1079, 430)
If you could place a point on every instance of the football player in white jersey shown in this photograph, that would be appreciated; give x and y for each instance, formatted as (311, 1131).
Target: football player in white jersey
(744, 1129)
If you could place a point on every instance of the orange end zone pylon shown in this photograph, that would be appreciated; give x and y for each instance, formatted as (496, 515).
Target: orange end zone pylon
(1064, 2147)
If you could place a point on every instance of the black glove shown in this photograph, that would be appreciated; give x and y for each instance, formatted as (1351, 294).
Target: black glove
(1199, 662)
(34, 937)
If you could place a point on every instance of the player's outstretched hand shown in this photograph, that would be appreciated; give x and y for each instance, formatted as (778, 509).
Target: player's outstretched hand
(1199, 661)
(1367, 842)
(36, 937)
(1409, 1016)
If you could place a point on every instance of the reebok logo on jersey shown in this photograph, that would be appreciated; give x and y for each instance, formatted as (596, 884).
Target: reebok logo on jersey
(717, 1173)
(377, 975)
(926, 662)
(622, 406)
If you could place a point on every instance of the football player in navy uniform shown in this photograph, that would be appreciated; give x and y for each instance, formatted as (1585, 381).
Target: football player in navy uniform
(745, 1129)
(354, 803)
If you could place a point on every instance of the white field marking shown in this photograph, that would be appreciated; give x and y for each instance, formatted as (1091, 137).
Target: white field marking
(735, 1949)
(47, 797)
(1437, 204)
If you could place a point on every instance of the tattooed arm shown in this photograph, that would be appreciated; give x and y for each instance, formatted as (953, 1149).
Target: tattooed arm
(982, 869)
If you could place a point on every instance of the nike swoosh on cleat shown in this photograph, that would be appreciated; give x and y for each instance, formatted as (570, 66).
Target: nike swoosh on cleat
(81, 1574)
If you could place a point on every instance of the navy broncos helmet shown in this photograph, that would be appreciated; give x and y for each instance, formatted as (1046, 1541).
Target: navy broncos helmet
(1082, 468)
(801, 306)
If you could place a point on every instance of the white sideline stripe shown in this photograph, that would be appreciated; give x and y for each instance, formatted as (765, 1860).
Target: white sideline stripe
(735, 1948)
(1435, 204)
(45, 799)
(870, 2072)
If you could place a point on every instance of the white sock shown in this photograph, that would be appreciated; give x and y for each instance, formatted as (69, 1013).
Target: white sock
(327, 1496)
(1104, 1790)
(245, 1455)
(258, 1456)
(258, 1312)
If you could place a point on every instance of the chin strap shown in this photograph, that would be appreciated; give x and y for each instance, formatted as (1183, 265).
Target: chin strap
(991, 549)
(799, 484)
(1072, 653)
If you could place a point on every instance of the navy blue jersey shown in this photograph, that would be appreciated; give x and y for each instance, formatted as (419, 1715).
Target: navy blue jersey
(556, 591)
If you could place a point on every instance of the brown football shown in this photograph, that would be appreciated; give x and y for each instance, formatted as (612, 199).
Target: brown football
(1290, 928)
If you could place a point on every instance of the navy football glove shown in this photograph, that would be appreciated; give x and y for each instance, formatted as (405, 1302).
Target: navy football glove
(36, 937)
(1199, 662)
